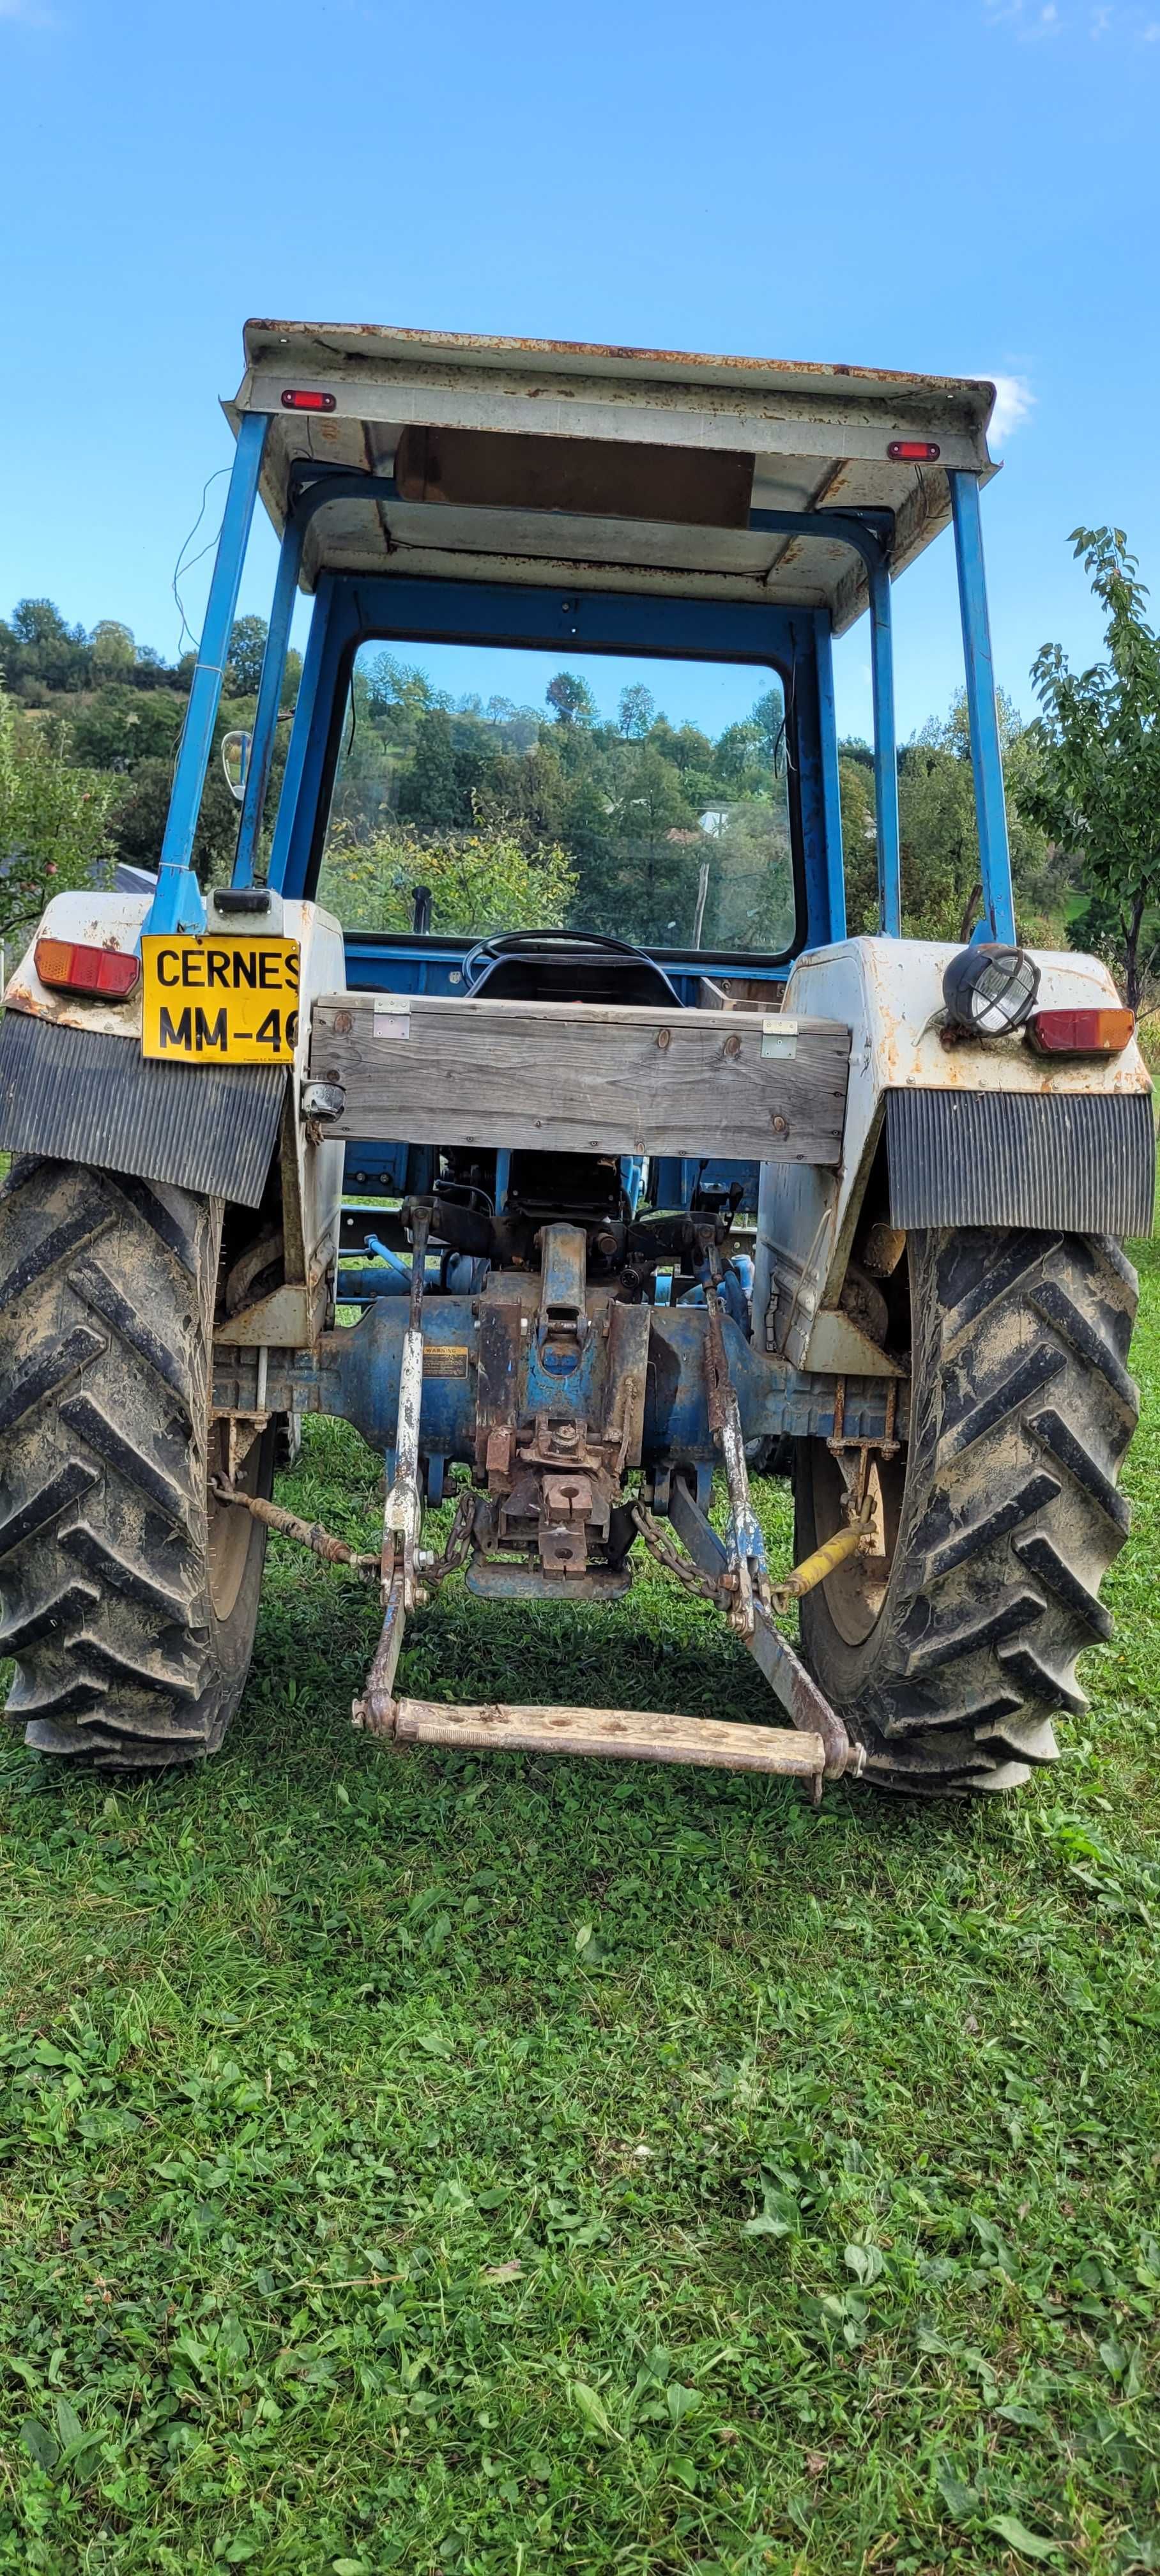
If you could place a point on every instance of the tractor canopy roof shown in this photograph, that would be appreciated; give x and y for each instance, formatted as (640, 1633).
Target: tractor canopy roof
(641, 470)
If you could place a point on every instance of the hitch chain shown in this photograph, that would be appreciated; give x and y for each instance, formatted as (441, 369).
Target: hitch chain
(460, 1543)
(721, 1589)
(706, 1587)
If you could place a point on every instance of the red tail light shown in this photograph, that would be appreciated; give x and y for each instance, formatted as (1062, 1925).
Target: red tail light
(1093, 1032)
(298, 399)
(113, 973)
(913, 451)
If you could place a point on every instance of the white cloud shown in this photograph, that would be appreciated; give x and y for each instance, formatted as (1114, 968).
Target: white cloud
(1014, 403)
(1031, 20)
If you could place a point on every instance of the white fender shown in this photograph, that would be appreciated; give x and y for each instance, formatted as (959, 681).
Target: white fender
(889, 992)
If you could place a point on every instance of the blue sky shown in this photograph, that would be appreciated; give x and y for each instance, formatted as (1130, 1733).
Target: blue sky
(960, 186)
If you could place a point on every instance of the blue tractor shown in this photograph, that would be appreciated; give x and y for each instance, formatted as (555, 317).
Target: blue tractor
(646, 1186)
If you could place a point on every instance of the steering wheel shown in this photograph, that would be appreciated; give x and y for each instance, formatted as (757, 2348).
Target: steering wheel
(532, 943)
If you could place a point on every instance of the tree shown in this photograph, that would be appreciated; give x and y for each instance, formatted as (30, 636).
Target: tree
(742, 763)
(137, 820)
(769, 719)
(120, 726)
(571, 699)
(430, 792)
(247, 645)
(750, 900)
(859, 843)
(938, 838)
(637, 710)
(53, 819)
(1097, 791)
(113, 650)
(40, 651)
(481, 882)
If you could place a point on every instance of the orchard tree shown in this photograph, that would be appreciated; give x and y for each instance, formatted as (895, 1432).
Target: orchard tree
(1096, 791)
(480, 882)
(53, 818)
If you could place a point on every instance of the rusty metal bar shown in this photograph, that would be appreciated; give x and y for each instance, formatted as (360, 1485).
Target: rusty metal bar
(374, 1712)
(786, 1674)
(333, 1551)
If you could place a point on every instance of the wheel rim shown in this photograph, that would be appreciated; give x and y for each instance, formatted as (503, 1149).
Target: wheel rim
(230, 1531)
(856, 1591)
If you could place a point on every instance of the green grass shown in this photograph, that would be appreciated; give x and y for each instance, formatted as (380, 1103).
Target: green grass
(505, 2167)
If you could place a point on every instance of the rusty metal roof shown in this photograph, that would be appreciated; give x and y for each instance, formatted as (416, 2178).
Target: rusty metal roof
(818, 437)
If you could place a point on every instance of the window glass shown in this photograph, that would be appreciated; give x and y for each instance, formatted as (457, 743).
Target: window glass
(648, 800)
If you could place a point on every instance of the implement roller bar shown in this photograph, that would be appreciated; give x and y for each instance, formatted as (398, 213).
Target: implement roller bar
(616, 1734)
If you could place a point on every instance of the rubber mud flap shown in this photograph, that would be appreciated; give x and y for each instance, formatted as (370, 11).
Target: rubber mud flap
(82, 1096)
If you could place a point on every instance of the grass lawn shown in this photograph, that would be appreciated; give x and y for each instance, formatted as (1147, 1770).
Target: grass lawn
(416, 2163)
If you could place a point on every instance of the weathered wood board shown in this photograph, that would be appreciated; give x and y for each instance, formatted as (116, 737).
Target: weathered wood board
(581, 1078)
(616, 1734)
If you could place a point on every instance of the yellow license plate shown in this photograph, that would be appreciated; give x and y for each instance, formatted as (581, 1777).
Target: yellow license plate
(219, 1001)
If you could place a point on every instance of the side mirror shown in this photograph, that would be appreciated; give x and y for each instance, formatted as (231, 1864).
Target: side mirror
(235, 763)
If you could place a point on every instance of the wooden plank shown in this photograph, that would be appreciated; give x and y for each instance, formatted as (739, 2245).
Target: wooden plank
(612, 1734)
(581, 1078)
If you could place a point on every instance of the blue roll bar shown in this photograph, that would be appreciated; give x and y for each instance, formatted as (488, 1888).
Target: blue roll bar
(269, 703)
(178, 904)
(998, 920)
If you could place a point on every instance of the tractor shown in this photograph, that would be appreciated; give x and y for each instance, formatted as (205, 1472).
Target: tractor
(582, 1218)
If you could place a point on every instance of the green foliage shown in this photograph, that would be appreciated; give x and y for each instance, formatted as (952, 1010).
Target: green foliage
(637, 712)
(859, 848)
(1097, 791)
(112, 650)
(247, 645)
(623, 800)
(431, 792)
(118, 728)
(941, 889)
(485, 2165)
(571, 699)
(480, 881)
(750, 899)
(54, 817)
(39, 651)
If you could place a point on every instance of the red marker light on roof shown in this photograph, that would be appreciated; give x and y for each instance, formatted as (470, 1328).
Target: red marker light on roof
(298, 399)
(66, 967)
(912, 451)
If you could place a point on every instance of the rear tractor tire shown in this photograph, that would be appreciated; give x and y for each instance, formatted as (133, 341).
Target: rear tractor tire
(950, 1649)
(129, 1595)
